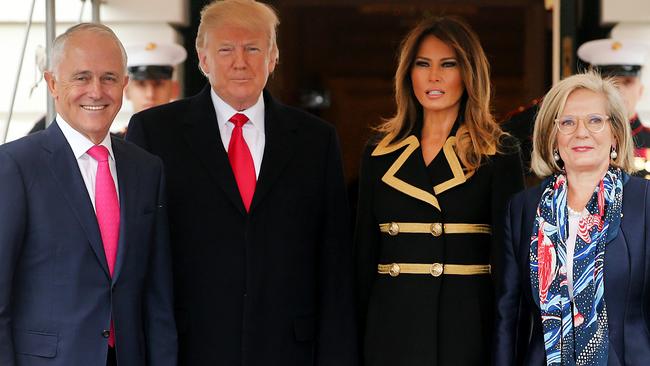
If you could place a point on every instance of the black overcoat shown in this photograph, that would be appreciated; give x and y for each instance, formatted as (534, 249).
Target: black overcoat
(422, 319)
(271, 287)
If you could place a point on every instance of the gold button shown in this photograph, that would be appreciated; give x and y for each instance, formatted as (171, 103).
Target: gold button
(393, 229)
(436, 229)
(436, 269)
(394, 270)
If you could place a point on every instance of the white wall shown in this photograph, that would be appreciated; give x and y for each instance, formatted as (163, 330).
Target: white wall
(132, 20)
(628, 11)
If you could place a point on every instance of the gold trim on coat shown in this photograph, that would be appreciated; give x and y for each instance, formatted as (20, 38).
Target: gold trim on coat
(433, 269)
(435, 228)
(457, 169)
(411, 143)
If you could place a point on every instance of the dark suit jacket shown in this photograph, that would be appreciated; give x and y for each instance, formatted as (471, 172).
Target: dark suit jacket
(56, 294)
(519, 334)
(272, 287)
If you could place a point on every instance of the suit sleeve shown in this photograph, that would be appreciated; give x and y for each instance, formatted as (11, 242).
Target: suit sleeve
(366, 241)
(135, 132)
(508, 298)
(637, 313)
(508, 179)
(13, 211)
(336, 326)
(161, 339)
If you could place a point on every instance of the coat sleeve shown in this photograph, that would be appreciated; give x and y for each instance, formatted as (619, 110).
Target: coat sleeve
(161, 339)
(13, 211)
(508, 297)
(336, 325)
(366, 241)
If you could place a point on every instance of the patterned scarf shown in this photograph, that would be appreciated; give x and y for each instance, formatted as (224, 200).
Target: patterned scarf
(574, 333)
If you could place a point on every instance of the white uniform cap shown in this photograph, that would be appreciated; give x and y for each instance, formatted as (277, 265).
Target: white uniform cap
(153, 61)
(615, 57)
(144, 54)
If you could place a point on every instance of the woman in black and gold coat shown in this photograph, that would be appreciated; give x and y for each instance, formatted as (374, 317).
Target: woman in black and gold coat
(433, 188)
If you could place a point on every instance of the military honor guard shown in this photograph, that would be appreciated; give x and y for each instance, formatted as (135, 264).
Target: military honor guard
(623, 61)
(151, 70)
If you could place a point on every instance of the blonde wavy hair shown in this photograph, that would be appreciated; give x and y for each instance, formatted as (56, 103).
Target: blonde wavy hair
(479, 134)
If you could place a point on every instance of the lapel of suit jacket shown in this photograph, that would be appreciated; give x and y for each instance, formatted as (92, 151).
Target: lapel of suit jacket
(203, 137)
(65, 170)
(278, 147)
(618, 254)
(128, 182)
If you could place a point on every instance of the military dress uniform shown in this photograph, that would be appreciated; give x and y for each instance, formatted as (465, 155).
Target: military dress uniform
(641, 136)
(424, 245)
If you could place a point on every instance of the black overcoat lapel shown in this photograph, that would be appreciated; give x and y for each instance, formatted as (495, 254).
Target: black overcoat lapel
(278, 148)
(201, 132)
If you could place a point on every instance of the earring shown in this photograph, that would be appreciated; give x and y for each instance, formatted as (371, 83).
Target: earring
(613, 154)
(556, 155)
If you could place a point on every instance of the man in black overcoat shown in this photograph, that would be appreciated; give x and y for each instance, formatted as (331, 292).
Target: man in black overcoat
(257, 208)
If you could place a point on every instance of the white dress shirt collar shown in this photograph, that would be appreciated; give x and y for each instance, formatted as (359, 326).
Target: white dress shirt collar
(255, 113)
(80, 143)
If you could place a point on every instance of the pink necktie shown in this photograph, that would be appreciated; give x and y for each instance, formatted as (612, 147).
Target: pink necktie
(241, 161)
(107, 209)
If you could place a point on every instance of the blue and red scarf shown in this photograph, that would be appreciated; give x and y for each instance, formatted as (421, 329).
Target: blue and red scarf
(575, 333)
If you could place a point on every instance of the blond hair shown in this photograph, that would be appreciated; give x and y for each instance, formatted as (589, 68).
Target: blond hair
(545, 134)
(479, 134)
(248, 14)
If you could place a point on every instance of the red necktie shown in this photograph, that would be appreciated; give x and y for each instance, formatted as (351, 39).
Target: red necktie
(241, 161)
(107, 209)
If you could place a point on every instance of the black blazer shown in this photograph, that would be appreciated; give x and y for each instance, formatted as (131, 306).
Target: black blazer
(519, 335)
(272, 287)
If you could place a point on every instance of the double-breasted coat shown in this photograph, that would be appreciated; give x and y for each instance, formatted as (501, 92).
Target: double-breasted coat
(436, 220)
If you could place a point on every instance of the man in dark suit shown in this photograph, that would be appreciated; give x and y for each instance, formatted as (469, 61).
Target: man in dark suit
(85, 269)
(258, 213)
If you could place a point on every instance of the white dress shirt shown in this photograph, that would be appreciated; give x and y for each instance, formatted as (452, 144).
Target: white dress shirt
(253, 130)
(574, 221)
(80, 144)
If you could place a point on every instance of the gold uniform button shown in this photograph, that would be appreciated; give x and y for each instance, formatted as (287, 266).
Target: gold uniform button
(436, 269)
(393, 229)
(436, 229)
(394, 270)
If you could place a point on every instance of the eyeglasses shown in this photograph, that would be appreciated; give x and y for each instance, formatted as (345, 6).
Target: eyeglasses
(593, 122)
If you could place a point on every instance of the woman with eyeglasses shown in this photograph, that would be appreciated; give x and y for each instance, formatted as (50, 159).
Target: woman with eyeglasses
(575, 289)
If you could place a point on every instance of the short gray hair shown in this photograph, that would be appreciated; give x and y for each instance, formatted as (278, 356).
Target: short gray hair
(58, 47)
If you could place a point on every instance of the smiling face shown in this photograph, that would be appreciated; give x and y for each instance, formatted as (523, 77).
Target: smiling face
(88, 83)
(583, 150)
(436, 77)
(237, 61)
